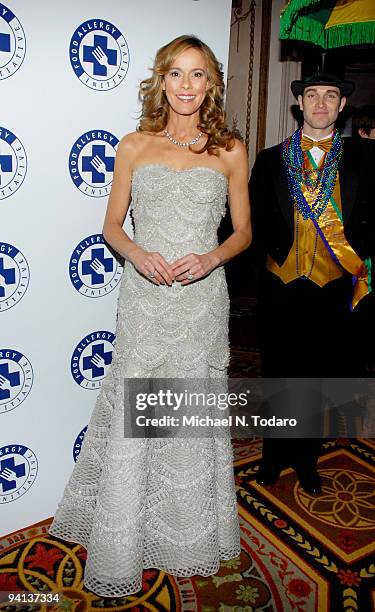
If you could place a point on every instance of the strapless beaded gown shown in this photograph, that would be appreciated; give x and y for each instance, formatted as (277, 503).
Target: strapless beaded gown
(158, 503)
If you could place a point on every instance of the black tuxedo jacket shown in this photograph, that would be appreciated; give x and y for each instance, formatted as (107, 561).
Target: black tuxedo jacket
(273, 210)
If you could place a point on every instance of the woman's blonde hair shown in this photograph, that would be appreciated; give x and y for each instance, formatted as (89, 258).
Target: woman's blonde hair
(155, 107)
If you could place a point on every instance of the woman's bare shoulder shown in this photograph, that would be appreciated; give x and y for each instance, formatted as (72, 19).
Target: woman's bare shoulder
(236, 155)
(238, 149)
(132, 145)
(133, 140)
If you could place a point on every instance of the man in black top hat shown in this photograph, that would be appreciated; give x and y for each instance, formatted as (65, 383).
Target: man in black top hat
(313, 220)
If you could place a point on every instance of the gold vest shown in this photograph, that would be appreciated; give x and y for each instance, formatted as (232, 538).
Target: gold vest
(324, 269)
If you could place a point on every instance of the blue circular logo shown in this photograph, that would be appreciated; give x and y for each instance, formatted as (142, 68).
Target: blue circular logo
(14, 276)
(91, 358)
(92, 161)
(93, 270)
(99, 54)
(18, 470)
(12, 43)
(78, 443)
(13, 163)
(16, 379)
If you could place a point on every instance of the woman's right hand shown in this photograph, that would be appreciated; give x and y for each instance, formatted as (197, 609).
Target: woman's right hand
(153, 266)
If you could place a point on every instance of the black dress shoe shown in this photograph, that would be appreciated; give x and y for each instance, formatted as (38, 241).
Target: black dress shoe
(310, 480)
(267, 475)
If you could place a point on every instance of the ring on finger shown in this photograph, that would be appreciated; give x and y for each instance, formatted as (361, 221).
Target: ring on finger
(151, 274)
(190, 276)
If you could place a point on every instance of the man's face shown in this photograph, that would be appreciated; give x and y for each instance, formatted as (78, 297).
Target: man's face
(321, 105)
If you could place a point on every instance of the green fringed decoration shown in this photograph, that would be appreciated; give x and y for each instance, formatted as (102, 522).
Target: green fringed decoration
(291, 12)
(350, 34)
(310, 30)
(306, 19)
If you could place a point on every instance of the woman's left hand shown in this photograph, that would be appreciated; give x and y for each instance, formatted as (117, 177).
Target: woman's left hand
(191, 267)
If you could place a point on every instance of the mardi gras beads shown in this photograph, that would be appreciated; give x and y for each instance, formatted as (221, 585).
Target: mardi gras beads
(320, 183)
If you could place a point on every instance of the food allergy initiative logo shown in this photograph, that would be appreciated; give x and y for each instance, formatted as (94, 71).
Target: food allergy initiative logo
(14, 275)
(16, 379)
(99, 54)
(92, 161)
(18, 470)
(91, 358)
(78, 443)
(93, 270)
(12, 43)
(13, 163)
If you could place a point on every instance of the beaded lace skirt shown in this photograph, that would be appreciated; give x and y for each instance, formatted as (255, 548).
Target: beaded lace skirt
(162, 503)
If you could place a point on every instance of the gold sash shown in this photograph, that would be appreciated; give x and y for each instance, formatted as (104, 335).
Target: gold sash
(331, 225)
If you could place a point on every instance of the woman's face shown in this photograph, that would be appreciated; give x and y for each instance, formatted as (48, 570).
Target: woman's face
(185, 83)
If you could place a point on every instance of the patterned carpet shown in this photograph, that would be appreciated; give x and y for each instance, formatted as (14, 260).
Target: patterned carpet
(299, 553)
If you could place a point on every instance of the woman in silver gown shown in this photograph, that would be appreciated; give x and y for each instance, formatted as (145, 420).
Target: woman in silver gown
(136, 503)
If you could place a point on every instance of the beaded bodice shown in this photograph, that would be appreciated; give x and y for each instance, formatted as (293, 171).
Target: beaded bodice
(177, 211)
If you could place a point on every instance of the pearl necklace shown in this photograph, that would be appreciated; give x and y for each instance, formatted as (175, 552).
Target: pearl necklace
(182, 144)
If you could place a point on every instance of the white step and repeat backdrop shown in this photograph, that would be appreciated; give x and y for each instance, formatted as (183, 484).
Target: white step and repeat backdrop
(69, 75)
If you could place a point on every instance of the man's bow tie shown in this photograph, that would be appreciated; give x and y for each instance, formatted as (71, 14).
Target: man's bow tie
(324, 144)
